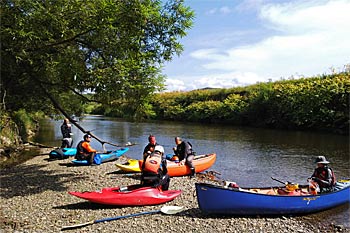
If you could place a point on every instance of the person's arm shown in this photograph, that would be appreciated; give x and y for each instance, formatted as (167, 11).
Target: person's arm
(88, 148)
(188, 150)
(164, 166)
(323, 183)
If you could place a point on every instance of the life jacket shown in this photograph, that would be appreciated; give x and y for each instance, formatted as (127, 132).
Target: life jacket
(81, 149)
(153, 163)
(322, 174)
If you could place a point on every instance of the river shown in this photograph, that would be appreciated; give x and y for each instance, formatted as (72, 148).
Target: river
(248, 156)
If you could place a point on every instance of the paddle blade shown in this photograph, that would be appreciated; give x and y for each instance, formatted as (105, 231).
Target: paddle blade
(171, 209)
(77, 226)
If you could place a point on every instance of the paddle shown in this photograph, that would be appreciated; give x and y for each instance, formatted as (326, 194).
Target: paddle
(164, 210)
(280, 181)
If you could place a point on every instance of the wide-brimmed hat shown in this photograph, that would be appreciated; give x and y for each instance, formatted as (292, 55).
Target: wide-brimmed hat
(321, 159)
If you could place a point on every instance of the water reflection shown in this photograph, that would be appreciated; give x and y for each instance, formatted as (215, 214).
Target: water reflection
(249, 156)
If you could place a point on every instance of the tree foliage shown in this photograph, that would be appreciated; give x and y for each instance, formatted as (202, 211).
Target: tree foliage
(112, 48)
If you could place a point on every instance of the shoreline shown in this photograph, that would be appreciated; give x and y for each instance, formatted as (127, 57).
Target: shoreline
(34, 198)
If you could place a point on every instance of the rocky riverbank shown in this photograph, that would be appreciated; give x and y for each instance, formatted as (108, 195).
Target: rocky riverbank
(34, 198)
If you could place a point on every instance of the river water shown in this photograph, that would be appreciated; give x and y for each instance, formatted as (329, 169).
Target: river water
(248, 156)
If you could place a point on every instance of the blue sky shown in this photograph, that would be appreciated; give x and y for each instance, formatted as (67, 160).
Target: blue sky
(241, 42)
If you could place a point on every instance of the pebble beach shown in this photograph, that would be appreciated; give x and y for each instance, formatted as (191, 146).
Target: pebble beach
(34, 198)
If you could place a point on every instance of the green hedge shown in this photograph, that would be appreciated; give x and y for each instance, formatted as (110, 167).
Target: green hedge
(309, 103)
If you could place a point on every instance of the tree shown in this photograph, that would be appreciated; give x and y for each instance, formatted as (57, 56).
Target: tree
(59, 49)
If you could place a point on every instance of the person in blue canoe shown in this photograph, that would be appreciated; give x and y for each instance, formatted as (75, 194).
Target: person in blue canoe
(323, 175)
(185, 153)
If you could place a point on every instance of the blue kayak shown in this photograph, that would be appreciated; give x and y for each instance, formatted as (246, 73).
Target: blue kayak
(62, 153)
(217, 199)
(103, 157)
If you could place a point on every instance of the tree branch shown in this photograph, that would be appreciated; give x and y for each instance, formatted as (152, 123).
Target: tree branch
(58, 106)
(63, 41)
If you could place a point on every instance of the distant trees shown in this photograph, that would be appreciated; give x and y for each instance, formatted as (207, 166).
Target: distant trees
(318, 103)
(64, 48)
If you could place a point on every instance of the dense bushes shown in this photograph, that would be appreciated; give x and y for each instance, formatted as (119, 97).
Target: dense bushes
(308, 103)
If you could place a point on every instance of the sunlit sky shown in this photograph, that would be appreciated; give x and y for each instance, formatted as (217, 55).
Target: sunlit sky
(241, 42)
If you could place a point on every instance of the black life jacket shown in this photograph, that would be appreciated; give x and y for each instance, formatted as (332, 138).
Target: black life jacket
(80, 148)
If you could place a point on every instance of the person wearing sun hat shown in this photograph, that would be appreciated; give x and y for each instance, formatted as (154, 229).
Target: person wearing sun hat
(323, 175)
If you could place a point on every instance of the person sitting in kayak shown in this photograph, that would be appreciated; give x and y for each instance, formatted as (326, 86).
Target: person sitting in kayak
(66, 130)
(323, 175)
(154, 170)
(185, 153)
(150, 146)
(85, 151)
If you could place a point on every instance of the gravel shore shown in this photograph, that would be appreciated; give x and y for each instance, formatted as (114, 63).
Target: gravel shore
(34, 198)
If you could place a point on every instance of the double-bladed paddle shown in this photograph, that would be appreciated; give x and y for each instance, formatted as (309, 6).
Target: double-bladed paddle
(164, 210)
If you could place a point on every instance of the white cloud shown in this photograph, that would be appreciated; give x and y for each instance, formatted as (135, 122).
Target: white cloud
(225, 10)
(222, 80)
(175, 85)
(314, 39)
(309, 37)
(222, 10)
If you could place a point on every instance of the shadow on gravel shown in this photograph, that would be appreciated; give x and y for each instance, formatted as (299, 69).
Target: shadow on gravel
(84, 206)
(197, 213)
(70, 164)
(89, 206)
(136, 176)
(25, 180)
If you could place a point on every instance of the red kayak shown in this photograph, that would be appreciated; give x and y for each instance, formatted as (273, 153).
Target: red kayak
(133, 195)
(200, 162)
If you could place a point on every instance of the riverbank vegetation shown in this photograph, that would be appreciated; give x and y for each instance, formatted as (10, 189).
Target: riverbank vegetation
(317, 103)
(314, 103)
(16, 128)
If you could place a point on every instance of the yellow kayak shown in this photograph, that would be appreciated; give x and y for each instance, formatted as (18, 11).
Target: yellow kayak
(131, 166)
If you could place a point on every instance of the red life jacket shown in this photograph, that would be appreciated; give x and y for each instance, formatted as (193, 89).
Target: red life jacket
(152, 163)
(323, 174)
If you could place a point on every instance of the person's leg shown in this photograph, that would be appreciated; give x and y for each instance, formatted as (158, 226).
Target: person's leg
(64, 143)
(70, 143)
(165, 182)
(189, 163)
(91, 159)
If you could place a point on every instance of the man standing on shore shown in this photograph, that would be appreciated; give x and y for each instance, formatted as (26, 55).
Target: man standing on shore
(66, 130)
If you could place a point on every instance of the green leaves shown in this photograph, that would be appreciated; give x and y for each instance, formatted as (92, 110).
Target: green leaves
(309, 103)
(111, 48)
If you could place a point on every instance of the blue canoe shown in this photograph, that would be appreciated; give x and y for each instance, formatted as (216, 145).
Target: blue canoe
(215, 199)
(103, 157)
(62, 153)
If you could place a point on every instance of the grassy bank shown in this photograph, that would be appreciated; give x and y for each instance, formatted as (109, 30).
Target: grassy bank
(317, 103)
(16, 128)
